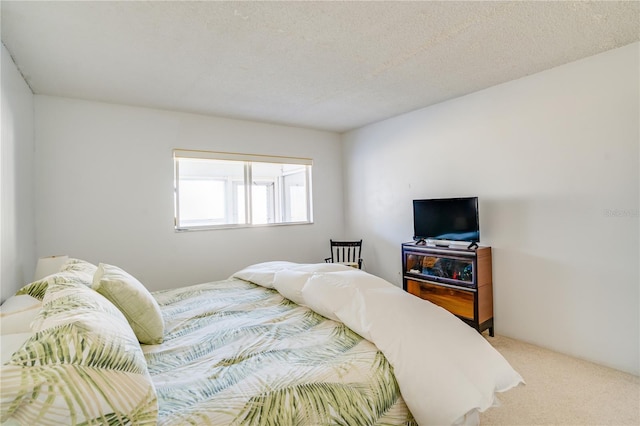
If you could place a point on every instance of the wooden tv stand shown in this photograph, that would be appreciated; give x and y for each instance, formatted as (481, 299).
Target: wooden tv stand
(457, 279)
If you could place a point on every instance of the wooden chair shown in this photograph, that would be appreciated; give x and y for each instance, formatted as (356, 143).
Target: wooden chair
(346, 252)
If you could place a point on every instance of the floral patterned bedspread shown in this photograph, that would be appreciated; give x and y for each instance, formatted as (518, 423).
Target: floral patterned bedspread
(238, 354)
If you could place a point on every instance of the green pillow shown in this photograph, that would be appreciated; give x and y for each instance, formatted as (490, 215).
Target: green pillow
(133, 300)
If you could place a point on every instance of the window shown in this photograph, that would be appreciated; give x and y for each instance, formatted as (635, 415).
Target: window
(222, 190)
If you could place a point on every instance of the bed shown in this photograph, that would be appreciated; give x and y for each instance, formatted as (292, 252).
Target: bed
(278, 343)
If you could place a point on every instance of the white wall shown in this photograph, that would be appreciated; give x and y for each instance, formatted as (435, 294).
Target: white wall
(104, 185)
(17, 234)
(554, 160)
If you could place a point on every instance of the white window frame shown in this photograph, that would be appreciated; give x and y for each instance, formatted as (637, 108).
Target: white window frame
(247, 159)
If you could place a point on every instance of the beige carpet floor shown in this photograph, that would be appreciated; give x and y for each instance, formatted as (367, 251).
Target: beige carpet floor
(561, 390)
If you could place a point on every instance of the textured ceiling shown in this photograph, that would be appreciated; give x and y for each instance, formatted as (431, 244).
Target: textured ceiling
(325, 65)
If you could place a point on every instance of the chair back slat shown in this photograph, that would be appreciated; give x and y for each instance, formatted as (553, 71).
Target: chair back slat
(346, 251)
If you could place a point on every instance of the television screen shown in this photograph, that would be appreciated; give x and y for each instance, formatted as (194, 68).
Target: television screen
(453, 219)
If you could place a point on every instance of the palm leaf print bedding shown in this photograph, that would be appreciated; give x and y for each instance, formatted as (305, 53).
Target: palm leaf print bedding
(82, 365)
(235, 353)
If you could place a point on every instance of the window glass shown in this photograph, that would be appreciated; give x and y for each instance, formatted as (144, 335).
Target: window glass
(295, 190)
(196, 209)
(214, 192)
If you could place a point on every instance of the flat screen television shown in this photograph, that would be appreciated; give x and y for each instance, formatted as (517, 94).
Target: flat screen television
(451, 219)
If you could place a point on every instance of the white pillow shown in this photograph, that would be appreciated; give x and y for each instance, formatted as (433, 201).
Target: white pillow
(289, 284)
(9, 343)
(17, 313)
(330, 293)
(263, 274)
(321, 267)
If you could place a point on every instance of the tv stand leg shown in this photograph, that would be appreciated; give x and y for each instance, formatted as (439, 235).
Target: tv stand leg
(487, 325)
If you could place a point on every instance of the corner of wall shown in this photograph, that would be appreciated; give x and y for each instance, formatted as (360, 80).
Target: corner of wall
(17, 220)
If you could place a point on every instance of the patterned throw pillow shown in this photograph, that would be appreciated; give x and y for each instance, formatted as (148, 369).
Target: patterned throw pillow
(80, 270)
(133, 299)
(79, 265)
(83, 365)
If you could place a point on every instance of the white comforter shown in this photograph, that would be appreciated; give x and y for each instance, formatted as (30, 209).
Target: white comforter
(447, 372)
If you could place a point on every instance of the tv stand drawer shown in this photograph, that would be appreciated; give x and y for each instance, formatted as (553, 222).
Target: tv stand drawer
(458, 302)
